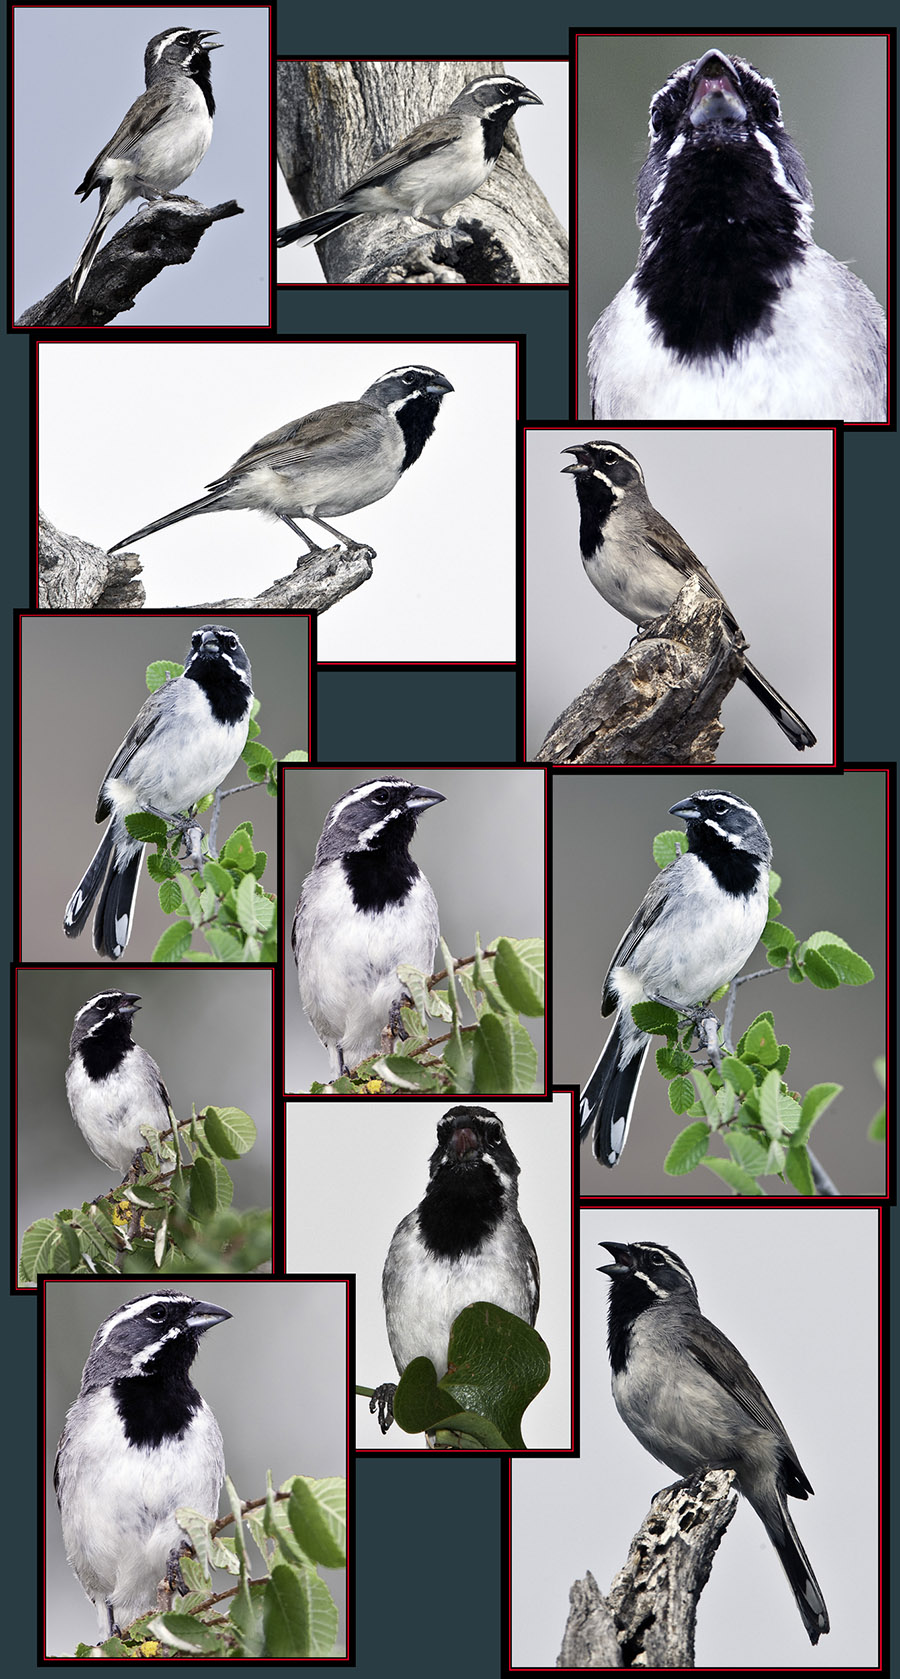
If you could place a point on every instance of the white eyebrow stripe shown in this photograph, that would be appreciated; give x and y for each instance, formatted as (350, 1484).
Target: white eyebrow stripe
(134, 1308)
(166, 41)
(358, 794)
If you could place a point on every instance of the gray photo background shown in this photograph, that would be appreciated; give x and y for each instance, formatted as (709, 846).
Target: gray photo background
(275, 1376)
(545, 146)
(757, 508)
(798, 1296)
(210, 1032)
(834, 106)
(827, 835)
(444, 579)
(85, 64)
(83, 683)
(380, 1182)
(482, 850)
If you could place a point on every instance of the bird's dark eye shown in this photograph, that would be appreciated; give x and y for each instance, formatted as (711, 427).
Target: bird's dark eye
(382, 797)
(657, 1259)
(655, 119)
(409, 378)
(156, 1314)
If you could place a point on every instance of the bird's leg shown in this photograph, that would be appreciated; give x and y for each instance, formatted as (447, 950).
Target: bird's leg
(382, 1401)
(174, 1577)
(705, 1022)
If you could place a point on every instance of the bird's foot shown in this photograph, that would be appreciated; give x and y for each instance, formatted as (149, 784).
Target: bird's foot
(382, 1402)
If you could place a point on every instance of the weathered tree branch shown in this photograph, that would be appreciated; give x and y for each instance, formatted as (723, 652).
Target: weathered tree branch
(162, 234)
(75, 575)
(648, 1618)
(336, 118)
(660, 703)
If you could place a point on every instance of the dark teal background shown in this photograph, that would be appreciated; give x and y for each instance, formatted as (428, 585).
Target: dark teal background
(430, 1588)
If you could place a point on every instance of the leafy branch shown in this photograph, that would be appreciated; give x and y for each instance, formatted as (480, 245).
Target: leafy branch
(744, 1098)
(287, 1611)
(492, 1054)
(228, 908)
(172, 1214)
(496, 1365)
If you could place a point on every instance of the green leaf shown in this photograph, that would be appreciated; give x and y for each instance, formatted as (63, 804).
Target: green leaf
(850, 968)
(295, 757)
(311, 1527)
(142, 826)
(505, 1058)
(231, 1132)
(238, 851)
(877, 1132)
(286, 1613)
(748, 1152)
(522, 986)
(738, 1075)
(759, 1042)
(33, 1243)
(681, 1096)
(496, 1365)
(671, 1063)
(175, 942)
(159, 672)
(245, 903)
(668, 845)
(217, 877)
(817, 1099)
(769, 1092)
(707, 1096)
(799, 1171)
(688, 1149)
(184, 1632)
(655, 1017)
(776, 936)
(819, 970)
(203, 1199)
(224, 945)
(734, 1175)
(403, 1072)
(169, 897)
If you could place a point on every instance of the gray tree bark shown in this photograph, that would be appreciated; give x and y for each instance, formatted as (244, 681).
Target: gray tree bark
(336, 118)
(161, 234)
(76, 576)
(650, 1615)
(660, 703)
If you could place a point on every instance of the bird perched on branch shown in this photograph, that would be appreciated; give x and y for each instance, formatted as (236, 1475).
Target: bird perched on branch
(161, 139)
(334, 460)
(694, 1403)
(638, 562)
(182, 744)
(365, 908)
(439, 164)
(139, 1443)
(464, 1242)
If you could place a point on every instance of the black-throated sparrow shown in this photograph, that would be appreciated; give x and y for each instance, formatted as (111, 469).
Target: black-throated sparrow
(139, 1442)
(440, 163)
(334, 460)
(183, 742)
(694, 1403)
(638, 562)
(161, 139)
(364, 908)
(464, 1242)
(695, 929)
(734, 311)
(114, 1087)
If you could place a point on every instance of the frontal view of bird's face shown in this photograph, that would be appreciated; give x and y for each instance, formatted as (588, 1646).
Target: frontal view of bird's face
(736, 309)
